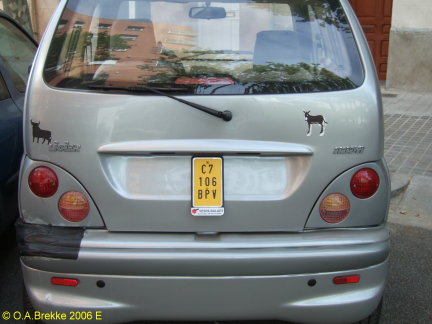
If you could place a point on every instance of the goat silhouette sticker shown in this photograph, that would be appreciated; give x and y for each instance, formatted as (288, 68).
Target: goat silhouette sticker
(319, 120)
(39, 133)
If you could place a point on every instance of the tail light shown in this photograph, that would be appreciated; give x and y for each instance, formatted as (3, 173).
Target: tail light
(73, 206)
(364, 183)
(43, 182)
(334, 208)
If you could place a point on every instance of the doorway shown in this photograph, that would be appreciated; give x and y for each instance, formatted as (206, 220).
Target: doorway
(375, 18)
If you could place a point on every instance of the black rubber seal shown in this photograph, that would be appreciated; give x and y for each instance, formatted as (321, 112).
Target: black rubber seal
(48, 241)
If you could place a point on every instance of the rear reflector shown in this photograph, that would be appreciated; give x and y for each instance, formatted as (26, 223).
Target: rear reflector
(64, 282)
(364, 183)
(334, 208)
(342, 280)
(73, 206)
(43, 182)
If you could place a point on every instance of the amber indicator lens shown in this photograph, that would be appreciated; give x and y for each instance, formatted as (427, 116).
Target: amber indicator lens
(334, 208)
(73, 206)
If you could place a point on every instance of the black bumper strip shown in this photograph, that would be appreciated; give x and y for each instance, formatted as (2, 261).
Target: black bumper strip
(48, 241)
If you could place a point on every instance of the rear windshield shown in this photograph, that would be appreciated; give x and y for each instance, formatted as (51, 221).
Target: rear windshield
(212, 48)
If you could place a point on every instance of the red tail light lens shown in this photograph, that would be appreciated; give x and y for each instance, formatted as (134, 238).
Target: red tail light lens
(73, 206)
(365, 183)
(43, 182)
(334, 208)
(346, 280)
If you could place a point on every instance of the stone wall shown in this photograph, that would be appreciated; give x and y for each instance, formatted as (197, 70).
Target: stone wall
(412, 14)
(410, 60)
(410, 51)
(41, 11)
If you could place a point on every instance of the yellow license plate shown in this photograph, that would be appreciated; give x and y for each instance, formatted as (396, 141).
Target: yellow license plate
(207, 186)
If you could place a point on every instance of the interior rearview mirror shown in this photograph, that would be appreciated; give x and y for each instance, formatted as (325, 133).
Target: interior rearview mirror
(207, 13)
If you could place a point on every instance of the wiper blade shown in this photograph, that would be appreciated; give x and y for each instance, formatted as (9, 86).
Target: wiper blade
(226, 115)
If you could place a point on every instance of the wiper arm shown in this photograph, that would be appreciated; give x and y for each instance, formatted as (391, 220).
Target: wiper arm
(225, 115)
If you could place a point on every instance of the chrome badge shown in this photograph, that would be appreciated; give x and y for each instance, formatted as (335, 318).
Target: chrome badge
(65, 147)
(349, 150)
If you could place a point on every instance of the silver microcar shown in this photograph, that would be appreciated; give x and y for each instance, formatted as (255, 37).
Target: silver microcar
(203, 161)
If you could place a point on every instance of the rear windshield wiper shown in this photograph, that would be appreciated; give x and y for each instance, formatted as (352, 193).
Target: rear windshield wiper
(225, 115)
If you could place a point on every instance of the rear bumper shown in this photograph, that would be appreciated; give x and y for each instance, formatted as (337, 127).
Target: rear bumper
(221, 277)
(133, 298)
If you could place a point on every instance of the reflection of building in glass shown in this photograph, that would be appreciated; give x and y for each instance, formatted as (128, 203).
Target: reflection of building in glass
(124, 51)
(135, 28)
(175, 37)
(104, 26)
(141, 45)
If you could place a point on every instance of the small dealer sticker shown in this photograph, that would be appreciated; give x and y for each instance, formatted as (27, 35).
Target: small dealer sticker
(207, 186)
(206, 211)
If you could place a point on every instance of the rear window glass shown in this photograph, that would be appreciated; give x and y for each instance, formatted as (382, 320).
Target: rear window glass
(226, 47)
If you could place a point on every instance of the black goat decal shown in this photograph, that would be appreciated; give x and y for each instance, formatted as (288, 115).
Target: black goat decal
(319, 119)
(40, 133)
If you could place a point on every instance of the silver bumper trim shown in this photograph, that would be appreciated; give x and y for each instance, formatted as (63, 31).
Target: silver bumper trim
(134, 254)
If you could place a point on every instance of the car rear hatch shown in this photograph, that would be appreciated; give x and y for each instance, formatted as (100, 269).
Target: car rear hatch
(151, 163)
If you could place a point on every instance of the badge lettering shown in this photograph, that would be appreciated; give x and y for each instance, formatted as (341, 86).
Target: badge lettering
(349, 150)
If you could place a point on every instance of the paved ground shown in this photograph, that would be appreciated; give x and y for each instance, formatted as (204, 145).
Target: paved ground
(408, 144)
(406, 103)
(408, 133)
(413, 207)
(408, 151)
(408, 295)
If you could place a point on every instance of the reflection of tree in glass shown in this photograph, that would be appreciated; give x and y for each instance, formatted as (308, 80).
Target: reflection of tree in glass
(106, 44)
(55, 51)
(284, 78)
(207, 64)
(329, 12)
(280, 72)
(166, 70)
(269, 78)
